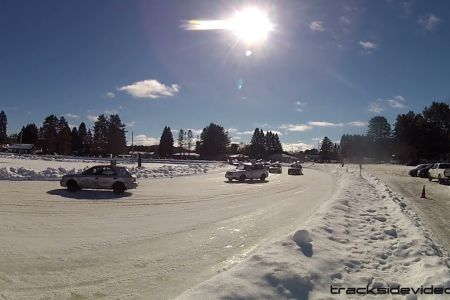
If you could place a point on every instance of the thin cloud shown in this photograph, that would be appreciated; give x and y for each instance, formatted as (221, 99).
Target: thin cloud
(296, 127)
(195, 131)
(130, 124)
(248, 132)
(397, 102)
(259, 125)
(368, 46)
(232, 130)
(142, 139)
(111, 111)
(316, 26)
(429, 22)
(381, 105)
(299, 146)
(357, 124)
(299, 106)
(344, 20)
(375, 107)
(325, 124)
(275, 132)
(71, 116)
(110, 95)
(92, 118)
(150, 89)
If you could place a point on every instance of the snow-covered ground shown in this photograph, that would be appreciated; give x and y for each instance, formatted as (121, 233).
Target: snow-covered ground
(433, 209)
(14, 167)
(292, 237)
(365, 237)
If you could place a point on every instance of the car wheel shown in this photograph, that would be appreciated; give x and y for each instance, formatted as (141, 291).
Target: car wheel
(440, 179)
(118, 188)
(72, 186)
(242, 178)
(263, 177)
(430, 178)
(230, 179)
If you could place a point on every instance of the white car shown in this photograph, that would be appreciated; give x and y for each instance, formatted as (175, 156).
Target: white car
(439, 171)
(248, 171)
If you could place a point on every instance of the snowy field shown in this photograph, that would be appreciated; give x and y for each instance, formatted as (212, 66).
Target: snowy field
(200, 237)
(13, 167)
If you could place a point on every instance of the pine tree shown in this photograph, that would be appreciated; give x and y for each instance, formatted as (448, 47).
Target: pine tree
(117, 142)
(88, 143)
(379, 128)
(82, 133)
(278, 148)
(50, 135)
(64, 137)
(30, 134)
(100, 139)
(3, 127)
(214, 141)
(189, 140)
(258, 144)
(165, 148)
(181, 140)
(326, 149)
(77, 144)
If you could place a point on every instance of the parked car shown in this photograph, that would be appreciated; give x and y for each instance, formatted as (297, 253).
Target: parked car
(248, 171)
(439, 171)
(415, 171)
(119, 179)
(295, 169)
(423, 172)
(275, 168)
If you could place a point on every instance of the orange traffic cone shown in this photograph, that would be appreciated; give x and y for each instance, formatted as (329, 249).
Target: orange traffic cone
(423, 192)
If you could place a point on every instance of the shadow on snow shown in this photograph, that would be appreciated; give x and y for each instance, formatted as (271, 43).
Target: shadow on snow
(88, 194)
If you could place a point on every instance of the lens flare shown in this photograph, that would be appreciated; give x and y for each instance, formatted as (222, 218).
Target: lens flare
(250, 25)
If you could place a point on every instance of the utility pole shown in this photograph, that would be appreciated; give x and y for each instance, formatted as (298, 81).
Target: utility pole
(20, 146)
(132, 143)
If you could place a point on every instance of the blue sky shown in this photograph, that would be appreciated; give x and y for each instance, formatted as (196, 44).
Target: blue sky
(325, 69)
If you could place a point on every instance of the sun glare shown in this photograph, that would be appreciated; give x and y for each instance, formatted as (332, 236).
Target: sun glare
(250, 25)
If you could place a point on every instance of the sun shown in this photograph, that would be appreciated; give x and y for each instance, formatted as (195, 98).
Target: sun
(250, 25)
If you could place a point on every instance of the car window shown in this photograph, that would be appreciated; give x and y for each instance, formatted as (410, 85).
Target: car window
(89, 171)
(445, 166)
(122, 171)
(108, 171)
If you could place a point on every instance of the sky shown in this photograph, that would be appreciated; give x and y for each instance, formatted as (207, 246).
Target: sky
(324, 69)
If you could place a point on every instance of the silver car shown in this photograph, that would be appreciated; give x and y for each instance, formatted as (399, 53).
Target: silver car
(119, 179)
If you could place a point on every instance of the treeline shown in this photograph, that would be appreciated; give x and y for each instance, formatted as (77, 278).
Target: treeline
(55, 136)
(263, 145)
(421, 136)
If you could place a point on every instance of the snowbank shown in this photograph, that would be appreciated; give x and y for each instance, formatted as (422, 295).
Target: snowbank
(365, 237)
(45, 168)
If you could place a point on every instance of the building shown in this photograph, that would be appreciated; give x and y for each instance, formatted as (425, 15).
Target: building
(21, 148)
(186, 155)
(283, 158)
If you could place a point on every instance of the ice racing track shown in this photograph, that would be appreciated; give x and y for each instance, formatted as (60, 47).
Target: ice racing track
(152, 243)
